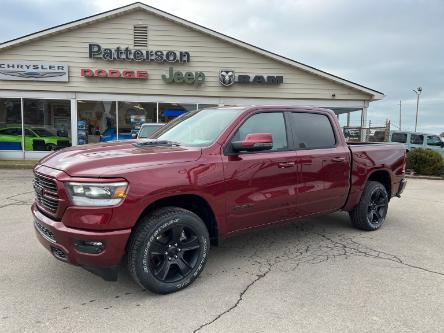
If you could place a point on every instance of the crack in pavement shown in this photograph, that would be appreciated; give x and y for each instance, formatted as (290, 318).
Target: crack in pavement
(17, 202)
(314, 252)
(240, 298)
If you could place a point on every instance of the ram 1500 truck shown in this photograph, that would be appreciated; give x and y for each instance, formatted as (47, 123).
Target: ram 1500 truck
(158, 204)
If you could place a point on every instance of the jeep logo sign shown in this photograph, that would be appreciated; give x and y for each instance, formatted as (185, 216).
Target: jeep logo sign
(196, 78)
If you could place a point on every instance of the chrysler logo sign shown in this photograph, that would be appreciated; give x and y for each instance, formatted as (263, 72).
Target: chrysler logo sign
(18, 71)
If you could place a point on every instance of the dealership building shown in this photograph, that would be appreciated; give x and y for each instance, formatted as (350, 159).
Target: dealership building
(98, 78)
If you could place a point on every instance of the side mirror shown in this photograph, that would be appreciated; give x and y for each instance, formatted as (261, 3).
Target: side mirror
(134, 135)
(254, 142)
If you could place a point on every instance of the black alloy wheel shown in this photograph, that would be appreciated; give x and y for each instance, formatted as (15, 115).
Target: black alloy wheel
(168, 249)
(377, 207)
(174, 253)
(372, 209)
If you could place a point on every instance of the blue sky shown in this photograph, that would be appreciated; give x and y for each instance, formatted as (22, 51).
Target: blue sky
(392, 46)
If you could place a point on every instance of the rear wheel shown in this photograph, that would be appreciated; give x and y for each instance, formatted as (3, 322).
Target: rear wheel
(372, 209)
(168, 250)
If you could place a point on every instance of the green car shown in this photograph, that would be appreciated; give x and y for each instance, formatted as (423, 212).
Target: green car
(36, 138)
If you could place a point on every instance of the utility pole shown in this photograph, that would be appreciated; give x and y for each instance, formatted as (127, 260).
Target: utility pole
(400, 115)
(417, 92)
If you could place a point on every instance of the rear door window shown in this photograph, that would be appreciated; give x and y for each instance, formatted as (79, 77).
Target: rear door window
(416, 139)
(399, 137)
(312, 131)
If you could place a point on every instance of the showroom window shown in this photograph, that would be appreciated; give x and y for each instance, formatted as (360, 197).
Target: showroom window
(10, 124)
(47, 124)
(132, 116)
(96, 121)
(169, 111)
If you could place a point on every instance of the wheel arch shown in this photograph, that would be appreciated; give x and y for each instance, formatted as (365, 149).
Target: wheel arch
(382, 176)
(192, 202)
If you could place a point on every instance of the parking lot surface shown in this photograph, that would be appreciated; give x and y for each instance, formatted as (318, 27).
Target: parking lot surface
(317, 275)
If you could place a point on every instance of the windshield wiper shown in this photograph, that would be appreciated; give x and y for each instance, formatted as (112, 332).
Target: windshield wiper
(155, 143)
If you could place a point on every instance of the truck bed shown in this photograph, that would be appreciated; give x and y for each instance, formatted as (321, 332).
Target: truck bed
(367, 157)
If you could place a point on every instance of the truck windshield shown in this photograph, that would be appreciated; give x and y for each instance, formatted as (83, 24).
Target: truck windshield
(198, 128)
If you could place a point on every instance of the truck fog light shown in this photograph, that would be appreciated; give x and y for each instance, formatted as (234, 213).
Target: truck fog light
(85, 246)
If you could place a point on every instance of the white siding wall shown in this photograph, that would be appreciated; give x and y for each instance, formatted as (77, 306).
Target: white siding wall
(208, 54)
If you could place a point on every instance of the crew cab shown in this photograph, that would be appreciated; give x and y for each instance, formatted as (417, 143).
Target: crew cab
(157, 204)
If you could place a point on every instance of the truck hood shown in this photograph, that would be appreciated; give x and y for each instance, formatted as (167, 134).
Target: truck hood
(111, 159)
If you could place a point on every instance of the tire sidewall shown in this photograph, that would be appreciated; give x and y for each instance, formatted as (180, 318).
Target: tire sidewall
(143, 263)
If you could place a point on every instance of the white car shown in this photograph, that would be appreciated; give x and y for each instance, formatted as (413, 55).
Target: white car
(147, 129)
(418, 140)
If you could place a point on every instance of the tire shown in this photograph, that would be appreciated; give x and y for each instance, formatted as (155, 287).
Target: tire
(372, 209)
(168, 249)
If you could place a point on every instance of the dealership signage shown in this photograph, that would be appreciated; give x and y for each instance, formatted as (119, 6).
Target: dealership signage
(196, 78)
(114, 73)
(228, 78)
(96, 51)
(34, 71)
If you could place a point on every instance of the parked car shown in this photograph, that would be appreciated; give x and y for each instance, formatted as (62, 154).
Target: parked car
(207, 175)
(36, 138)
(147, 129)
(413, 140)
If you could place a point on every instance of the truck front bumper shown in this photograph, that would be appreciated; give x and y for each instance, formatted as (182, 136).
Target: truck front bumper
(74, 246)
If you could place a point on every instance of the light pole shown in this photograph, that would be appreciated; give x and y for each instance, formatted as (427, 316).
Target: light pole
(417, 92)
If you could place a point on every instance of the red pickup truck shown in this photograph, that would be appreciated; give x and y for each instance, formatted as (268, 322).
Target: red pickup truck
(157, 204)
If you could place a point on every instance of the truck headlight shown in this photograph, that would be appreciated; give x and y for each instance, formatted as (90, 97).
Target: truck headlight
(96, 194)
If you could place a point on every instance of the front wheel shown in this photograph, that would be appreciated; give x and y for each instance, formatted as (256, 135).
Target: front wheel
(372, 209)
(168, 250)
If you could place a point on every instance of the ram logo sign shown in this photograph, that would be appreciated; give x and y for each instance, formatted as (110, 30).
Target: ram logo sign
(33, 71)
(226, 77)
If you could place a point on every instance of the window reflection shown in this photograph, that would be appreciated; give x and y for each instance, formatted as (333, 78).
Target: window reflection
(47, 124)
(96, 121)
(133, 115)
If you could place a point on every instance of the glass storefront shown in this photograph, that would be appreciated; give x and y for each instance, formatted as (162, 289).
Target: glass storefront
(10, 124)
(96, 121)
(47, 124)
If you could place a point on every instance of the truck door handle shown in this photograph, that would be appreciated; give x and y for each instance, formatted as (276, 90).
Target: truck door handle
(283, 165)
(338, 159)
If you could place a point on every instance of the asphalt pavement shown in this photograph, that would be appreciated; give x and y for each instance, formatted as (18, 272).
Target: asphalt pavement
(316, 275)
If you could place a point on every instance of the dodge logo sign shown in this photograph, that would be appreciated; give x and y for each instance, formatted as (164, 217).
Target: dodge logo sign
(226, 77)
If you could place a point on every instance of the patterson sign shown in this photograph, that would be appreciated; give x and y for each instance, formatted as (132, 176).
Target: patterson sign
(95, 51)
(33, 71)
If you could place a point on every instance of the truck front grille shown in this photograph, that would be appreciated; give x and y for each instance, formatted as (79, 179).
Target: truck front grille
(46, 193)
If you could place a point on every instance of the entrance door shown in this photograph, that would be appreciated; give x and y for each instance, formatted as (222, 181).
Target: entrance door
(260, 186)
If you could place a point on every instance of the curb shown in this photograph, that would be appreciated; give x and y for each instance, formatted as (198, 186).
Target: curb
(17, 164)
(424, 177)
